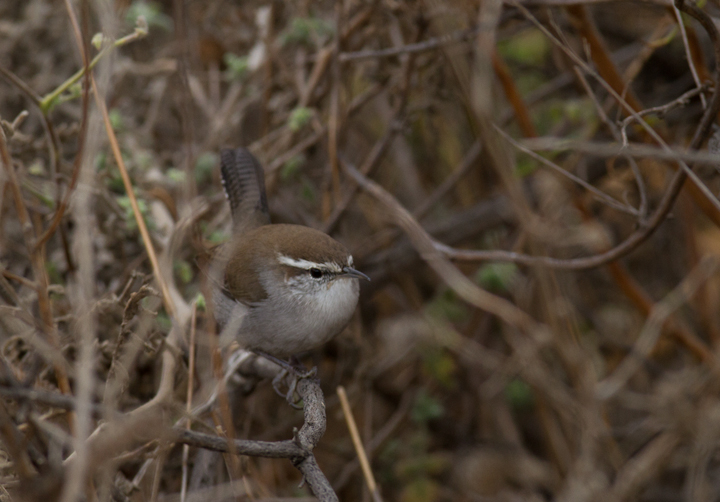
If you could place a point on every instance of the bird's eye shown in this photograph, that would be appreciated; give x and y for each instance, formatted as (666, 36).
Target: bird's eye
(316, 273)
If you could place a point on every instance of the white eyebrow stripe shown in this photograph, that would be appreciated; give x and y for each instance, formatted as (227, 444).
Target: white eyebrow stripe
(307, 264)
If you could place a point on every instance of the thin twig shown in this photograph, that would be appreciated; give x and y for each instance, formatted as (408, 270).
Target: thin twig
(357, 443)
(651, 331)
(423, 46)
(188, 405)
(682, 100)
(469, 160)
(642, 209)
(688, 54)
(49, 100)
(382, 435)
(614, 149)
(37, 262)
(602, 196)
(64, 203)
(149, 248)
(371, 161)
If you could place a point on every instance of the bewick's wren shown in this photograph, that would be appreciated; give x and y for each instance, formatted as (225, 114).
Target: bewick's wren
(284, 289)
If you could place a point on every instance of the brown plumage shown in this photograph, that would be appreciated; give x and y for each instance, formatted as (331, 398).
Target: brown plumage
(259, 248)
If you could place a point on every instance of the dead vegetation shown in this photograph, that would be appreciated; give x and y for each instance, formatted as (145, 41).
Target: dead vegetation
(530, 185)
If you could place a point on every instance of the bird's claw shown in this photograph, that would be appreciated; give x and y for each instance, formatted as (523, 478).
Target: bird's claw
(296, 376)
(297, 372)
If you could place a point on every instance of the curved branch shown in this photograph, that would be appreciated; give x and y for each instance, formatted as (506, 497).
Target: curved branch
(299, 449)
(266, 449)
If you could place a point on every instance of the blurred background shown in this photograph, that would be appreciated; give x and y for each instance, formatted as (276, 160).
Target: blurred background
(589, 375)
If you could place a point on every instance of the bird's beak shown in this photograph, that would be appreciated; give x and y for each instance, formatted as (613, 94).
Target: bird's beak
(351, 272)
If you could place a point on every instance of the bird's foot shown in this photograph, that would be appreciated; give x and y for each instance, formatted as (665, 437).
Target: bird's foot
(293, 369)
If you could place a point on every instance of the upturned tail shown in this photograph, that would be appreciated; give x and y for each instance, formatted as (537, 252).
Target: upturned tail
(244, 183)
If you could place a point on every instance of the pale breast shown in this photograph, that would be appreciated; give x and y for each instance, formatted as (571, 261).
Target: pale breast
(286, 325)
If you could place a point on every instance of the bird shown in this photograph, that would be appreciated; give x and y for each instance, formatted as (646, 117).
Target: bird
(282, 289)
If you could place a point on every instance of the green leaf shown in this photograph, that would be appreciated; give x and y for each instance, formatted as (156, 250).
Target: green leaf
(101, 161)
(438, 364)
(201, 302)
(97, 40)
(530, 47)
(183, 270)
(299, 118)
(53, 273)
(37, 169)
(217, 236)
(292, 167)
(176, 175)
(497, 277)
(237, 66)
(141, 158)
(204, 166)
(447, 306)
(308, 191)
(72, 92)
(525, 166)
(115, 183)
(116, 120)
(307, 31)
(519, 394)
(130, 222)
(421, 465)
(420, 490)
(426, 408)
(164, 321)
(152, 12)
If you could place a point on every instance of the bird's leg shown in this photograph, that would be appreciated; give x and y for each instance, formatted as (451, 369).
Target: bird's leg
(293, 368)
(283, 364)
(300, 370)
(276, 386)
